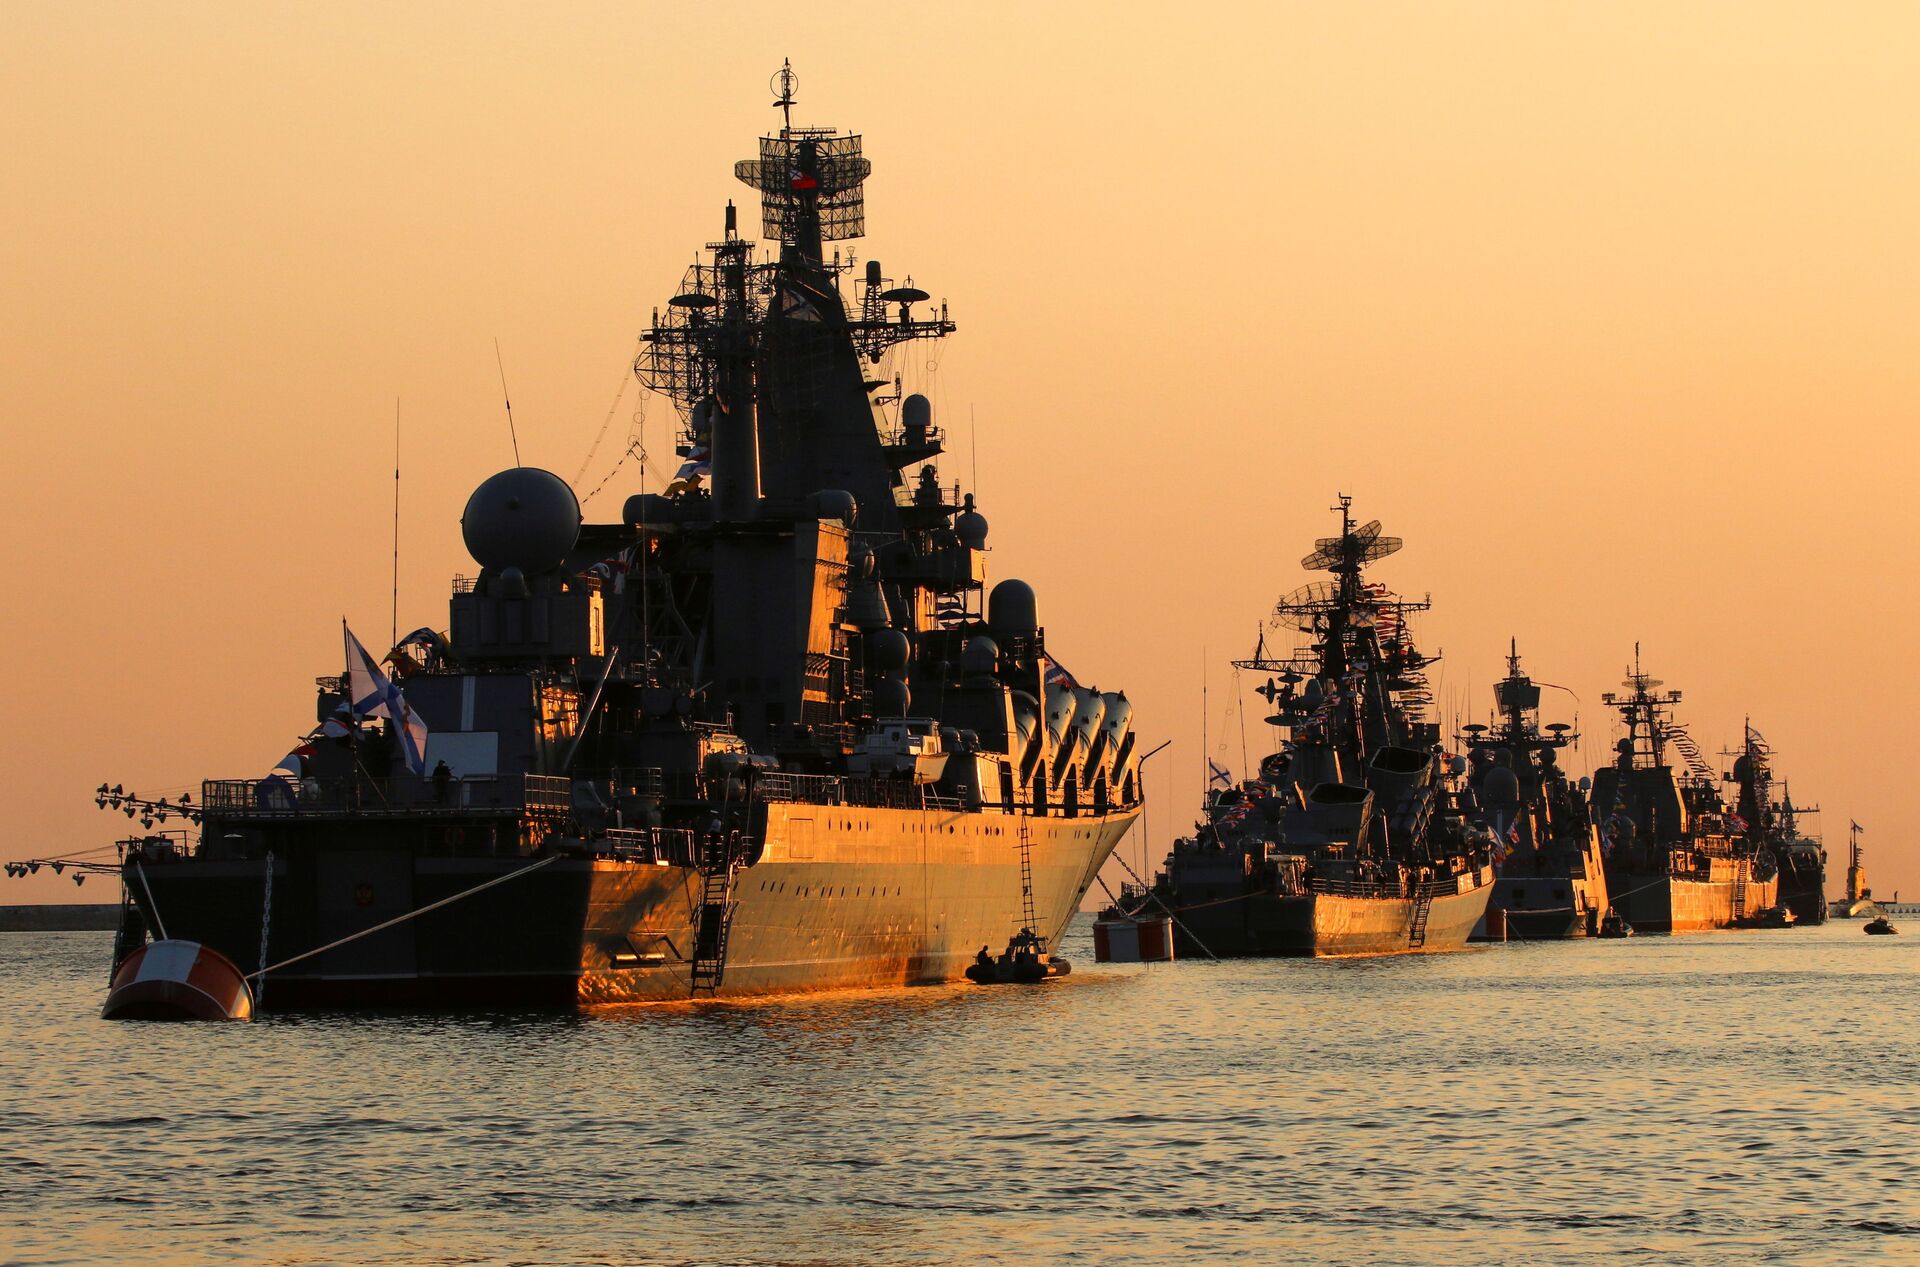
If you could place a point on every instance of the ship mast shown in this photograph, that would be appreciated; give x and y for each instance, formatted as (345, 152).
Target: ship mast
(1644, 709)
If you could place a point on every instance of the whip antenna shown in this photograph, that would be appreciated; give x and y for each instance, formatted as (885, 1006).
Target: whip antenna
(511, 431)
(395, 637)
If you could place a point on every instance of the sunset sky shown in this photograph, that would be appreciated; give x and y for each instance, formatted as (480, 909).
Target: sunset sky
(1609, 310)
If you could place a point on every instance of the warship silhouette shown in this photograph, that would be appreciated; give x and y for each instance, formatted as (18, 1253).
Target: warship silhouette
(767, 732)
(1677, 858)
(1549, 881)
(1356, 837)
(1773, 824)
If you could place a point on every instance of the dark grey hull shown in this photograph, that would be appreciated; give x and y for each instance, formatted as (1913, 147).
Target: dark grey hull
(1803, 890)
(893, 898)
(1327, 925)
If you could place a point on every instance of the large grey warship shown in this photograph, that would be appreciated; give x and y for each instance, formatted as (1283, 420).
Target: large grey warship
(1677, 858)
(1549, 882)
(768, 732)
(1353, 838)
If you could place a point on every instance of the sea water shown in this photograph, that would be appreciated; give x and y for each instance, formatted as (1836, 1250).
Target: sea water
(1715, 1098)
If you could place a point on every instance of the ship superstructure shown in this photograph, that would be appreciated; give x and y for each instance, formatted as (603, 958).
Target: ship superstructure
(1549, 879)
(1677, 859)
(767, 732)
(1354, 837)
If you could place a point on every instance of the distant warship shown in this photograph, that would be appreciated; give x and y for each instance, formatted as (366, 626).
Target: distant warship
(1857, 901)
(1549, 881)
(1677, 859)
(768, 732)
(1774, 825)
(1355, 837)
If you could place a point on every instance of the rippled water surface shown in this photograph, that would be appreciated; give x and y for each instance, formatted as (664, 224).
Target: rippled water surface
(1710, 1099)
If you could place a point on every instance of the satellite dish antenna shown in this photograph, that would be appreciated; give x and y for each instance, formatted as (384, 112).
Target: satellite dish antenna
(692, 299)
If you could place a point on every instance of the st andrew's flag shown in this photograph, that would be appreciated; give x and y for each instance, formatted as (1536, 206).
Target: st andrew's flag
(373, 694)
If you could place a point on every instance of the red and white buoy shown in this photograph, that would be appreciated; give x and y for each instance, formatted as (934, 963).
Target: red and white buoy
(1131, 939)
(178, 981)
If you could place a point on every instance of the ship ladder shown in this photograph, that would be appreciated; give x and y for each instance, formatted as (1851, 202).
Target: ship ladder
(715, 919)
(1739, 891)
(1417, 925)
(1026, 880)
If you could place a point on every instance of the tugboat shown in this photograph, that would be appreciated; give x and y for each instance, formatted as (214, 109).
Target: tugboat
(765, 732)
(1356, 837)
(1677, 860)
(1548, 880)
(1774, 825)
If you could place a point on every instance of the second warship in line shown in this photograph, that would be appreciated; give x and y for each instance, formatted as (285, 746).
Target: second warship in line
(1677, 859)
(1549, 881)
(1355, 837)
(766, 732)
(1774, 825)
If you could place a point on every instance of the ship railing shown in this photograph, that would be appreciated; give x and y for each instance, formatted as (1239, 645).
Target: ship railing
(833, 789)
(540, 795)
(666, 846)
(1446, 886)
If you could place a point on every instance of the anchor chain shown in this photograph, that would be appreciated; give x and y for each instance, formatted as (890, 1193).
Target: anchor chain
(266, 923)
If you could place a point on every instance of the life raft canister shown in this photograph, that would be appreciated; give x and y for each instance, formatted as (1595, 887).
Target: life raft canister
(178, 981)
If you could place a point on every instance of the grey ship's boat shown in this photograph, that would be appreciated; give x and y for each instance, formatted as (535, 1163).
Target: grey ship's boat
(1677, 859)
(1355, 837)
(1775, 826)
(765, 733)
(1549, 881)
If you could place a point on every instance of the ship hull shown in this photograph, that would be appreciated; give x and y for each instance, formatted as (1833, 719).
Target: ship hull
(1671, 904)
(1538, 908)
(1548, 907)
(860, 898)
(1327, 925)
(1803, 890)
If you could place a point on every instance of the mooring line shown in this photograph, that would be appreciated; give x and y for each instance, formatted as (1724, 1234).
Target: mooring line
(401, 919)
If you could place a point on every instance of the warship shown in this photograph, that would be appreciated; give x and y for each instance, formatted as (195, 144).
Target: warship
(1356, 836)
(1548, 877)
(1677, 858)
(1857, 902)
(1774, 825)
(770, 731)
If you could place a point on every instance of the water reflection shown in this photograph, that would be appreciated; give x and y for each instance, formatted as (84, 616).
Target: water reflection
(1704, 1099)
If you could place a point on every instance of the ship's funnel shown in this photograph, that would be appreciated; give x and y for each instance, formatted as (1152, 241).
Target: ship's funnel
(736, 462)
(1334, 813)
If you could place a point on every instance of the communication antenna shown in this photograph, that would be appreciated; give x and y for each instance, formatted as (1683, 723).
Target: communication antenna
(511, 430)
(783, 83)
(394, 637)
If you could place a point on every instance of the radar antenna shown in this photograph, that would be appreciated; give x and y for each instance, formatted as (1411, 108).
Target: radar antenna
(783, 83)
(1345, 553)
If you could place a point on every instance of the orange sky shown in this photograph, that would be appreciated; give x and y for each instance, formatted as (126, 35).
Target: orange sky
(1607, 309)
